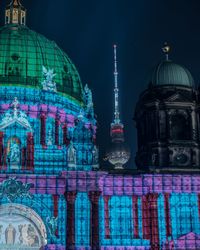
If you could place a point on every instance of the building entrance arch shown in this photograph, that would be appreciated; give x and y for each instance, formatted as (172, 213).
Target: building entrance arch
(21, 228)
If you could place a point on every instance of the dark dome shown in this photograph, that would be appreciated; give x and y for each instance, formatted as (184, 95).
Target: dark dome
(169, 73)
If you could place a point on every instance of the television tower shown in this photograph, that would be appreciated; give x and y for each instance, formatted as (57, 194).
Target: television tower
(119, 154)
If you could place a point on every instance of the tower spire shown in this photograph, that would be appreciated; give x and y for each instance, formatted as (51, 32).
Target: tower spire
(15, 13)
(116, 89)
(119, 153)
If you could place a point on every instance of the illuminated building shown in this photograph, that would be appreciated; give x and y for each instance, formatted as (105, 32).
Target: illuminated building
(53, 194)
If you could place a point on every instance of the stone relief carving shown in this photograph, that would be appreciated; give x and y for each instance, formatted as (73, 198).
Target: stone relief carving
(13, 189)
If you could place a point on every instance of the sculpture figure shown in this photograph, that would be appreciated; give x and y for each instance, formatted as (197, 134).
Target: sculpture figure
(10, 234)
(88, 100)
(13, 157)
(48, 83)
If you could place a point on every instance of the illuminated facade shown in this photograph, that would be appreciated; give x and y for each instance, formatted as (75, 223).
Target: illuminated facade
(52, 192)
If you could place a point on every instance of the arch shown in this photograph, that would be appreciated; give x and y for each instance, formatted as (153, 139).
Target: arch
(21, 228)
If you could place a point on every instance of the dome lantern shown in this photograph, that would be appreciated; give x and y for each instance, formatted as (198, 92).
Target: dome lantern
(15, 13)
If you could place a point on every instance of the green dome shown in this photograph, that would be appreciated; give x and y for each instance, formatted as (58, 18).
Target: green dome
(169, 73)
(23, 53)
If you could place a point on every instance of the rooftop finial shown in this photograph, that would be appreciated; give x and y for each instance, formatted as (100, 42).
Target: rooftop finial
(16, 3)
(166, 49)
(15, 13)
(116, 89)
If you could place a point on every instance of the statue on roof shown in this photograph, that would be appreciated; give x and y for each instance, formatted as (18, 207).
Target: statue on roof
(87, 97)
(48, 84)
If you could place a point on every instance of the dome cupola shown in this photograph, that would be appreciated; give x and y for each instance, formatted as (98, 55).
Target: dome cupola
(168, 73)
(24, 54)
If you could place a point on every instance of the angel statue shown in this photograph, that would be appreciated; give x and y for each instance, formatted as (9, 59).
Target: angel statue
(48, 83)
(88, 100)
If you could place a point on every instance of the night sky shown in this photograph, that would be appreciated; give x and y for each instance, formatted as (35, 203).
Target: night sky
(87, 30)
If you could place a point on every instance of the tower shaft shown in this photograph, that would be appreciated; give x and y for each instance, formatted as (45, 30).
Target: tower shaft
(116, 89)
(117, 133)
(118, 154)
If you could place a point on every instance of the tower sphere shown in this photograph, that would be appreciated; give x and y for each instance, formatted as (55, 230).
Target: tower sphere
(118, 155)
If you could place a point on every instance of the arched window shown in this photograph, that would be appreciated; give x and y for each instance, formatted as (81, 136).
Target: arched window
(180, 127)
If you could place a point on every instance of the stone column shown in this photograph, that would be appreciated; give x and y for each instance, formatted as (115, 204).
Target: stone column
(55, 209)
(145, 218)
(199, 204)
(167, 215)
(94, 227)
(135, 216)
(70, 198)
(154, 230)
(5, 167)
(65, 141)
(30, 152)
(1, 150)
(57, 124)
(43, 130)
(194, 124)
(24, 158)
(107, 216)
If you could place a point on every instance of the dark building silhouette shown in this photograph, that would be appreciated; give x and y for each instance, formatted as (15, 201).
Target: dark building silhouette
(167, 118)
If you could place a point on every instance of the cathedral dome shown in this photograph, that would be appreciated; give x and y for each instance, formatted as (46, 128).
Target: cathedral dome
(23, 53)
(168, 73)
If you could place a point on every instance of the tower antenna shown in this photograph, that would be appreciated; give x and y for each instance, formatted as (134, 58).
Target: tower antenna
(116, 89)
(119, 154)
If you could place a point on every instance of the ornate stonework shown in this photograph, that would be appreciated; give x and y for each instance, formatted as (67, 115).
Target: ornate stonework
(13, 189)
(21, 228)
(14, 115)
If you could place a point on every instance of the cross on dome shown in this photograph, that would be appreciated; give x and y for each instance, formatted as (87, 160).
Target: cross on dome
(166, 49)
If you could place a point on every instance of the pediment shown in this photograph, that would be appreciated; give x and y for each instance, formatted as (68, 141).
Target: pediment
(15, 116)
(7, 123)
